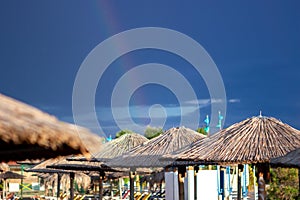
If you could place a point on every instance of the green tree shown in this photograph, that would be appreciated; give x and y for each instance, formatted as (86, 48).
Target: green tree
(122, 132)
(201, 130)
(152, 132)
(284, 183)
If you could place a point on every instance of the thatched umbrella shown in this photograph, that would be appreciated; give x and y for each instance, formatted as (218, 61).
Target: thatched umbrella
(254, 140)
(9, 175)
(41, 168)
(82, 166)
(107, 151)
(28, 133)
(148, 154)
(290, 160)
(120, 145)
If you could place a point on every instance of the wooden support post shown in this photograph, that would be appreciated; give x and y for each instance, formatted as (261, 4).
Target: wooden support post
(100, 188)
(196, 169)
(52, 188)
(72, 176)
(4, 189)
(120, 187)
(58, 185)
(111, 188)
(101, 178)
(181, 175)
(239, 185)
(131, 178)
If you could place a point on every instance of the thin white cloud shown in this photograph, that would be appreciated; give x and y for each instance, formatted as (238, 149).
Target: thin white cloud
(198, 102)
(234, 100)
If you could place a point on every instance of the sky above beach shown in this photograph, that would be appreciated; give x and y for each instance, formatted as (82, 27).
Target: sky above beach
(255, 46)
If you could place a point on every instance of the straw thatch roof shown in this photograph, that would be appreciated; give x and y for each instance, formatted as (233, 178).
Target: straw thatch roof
(148, 154)
(254, 140)
(11, 175)
(84, 166)
(42, 166)
(114, 148)
(50, 175)
(90, 166)
(121, 145)
(292, 159)
(28, 133)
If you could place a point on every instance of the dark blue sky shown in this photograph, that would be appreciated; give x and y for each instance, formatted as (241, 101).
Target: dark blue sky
(255, 45)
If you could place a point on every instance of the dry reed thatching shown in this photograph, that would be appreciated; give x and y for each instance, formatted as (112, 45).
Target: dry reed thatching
(121, 145)
(114, 148)
(42, 166)
(83, 166)
(28, 133)
(254, 140)
(11, 175)
(148, 154)
(50, 175)
(292, 159)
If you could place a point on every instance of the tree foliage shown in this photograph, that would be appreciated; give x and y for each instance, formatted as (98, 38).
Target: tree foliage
(122, 132)
(201, 130)
(152, 132)
(284, 183)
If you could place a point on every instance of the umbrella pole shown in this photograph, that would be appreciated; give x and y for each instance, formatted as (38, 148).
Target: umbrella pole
(58, 185)
(100, 188)
(131, 177)
(181, 175)
(22, 169)
(111, 188)
(72, 176)
(239, 185)
(4, 188)
(120, 187)
(101, 178)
